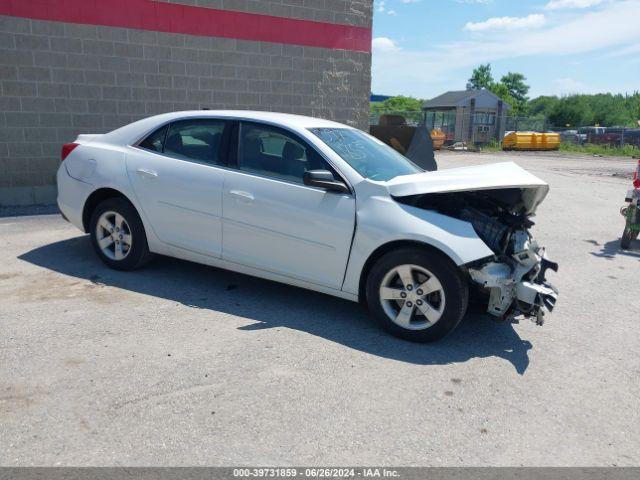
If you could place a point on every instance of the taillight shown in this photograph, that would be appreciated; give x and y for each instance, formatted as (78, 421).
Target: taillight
(67, 148)
(636, 177)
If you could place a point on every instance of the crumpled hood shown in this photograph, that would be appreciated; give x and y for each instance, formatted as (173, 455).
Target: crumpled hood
(479, 177)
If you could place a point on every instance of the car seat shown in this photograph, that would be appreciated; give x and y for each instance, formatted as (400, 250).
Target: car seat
(251, 157)
(293, 162)
(174, 143)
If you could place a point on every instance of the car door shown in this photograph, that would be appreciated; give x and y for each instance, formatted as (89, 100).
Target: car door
(176, 175)
(272, 221)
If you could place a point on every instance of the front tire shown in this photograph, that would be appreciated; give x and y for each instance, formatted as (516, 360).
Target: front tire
(416, 294)
(118, 236)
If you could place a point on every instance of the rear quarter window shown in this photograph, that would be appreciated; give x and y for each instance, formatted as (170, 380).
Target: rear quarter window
(155, 141)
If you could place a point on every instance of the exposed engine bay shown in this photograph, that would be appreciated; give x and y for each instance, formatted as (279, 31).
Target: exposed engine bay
(515, 277)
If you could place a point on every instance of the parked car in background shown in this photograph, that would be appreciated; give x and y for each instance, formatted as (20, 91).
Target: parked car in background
(585, 134)
(570, 136)
(315, 204)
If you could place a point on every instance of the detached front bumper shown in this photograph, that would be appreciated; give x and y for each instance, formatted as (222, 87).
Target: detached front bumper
(517, 285)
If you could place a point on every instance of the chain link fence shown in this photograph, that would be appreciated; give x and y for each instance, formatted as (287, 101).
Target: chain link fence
(614, 137)
(486, 127)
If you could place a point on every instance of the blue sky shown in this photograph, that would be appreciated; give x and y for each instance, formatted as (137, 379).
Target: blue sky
(425, 47)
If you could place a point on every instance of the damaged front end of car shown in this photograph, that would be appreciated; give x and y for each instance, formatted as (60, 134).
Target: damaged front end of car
(516, 280)
(513, 280)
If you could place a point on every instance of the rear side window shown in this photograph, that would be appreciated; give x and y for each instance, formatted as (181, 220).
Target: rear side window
(198, 140)
(155, 141)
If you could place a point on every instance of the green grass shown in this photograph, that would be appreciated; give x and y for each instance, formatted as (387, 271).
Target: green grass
(604, 150)
(493, 146)
(588, 149)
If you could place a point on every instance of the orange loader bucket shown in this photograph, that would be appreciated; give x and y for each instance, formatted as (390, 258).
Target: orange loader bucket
(438, 138)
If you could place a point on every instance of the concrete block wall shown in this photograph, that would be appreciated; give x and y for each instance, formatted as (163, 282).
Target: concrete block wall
(61, 79)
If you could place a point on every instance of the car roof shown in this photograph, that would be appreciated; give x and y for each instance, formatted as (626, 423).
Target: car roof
(287, 119)
(140, 128)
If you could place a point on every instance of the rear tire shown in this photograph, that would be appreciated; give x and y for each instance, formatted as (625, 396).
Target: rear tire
(416, 294)
(118, 235)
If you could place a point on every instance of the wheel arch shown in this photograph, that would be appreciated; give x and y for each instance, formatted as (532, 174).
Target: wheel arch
(95, 199)
(382, 250)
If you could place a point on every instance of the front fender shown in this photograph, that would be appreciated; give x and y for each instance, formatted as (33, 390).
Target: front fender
(381, 220)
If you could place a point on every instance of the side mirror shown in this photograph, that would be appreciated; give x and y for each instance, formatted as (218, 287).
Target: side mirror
(324, 179)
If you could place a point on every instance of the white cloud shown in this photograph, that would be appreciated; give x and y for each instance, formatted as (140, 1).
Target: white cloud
(384, 45)
(568, 86)
(626, 51)
(567, 4)
(392, 13)
(425, 72)
(536, 20)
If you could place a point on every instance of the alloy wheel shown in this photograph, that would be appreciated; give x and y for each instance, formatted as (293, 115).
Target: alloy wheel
(412, 297)
(113, 235)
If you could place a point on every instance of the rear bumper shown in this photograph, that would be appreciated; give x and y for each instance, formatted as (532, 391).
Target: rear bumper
(72, 195)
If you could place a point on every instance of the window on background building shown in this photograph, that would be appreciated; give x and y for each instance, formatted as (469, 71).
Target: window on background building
(485, 118)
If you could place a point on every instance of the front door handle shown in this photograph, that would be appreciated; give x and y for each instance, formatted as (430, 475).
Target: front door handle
(246, 196)
(143, 172)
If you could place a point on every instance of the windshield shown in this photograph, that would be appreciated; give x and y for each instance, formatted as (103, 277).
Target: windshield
(367, 155)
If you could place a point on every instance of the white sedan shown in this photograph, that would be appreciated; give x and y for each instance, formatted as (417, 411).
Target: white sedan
(315, 204)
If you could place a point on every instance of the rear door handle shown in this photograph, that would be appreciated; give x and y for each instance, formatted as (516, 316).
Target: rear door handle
(143, 172)
(242, 195)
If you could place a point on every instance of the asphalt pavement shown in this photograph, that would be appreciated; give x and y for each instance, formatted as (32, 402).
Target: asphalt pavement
(182, 364)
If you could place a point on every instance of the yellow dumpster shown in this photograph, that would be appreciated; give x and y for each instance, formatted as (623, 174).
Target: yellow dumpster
(531, 141)
(438, 138)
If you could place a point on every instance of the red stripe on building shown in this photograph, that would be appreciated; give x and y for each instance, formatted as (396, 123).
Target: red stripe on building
(185, 19)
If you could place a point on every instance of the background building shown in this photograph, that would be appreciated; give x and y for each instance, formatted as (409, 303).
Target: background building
(90, 66)
(472, 116)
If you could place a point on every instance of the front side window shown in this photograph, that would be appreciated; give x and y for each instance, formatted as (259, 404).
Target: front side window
(367, 155)
(273, 152)
(198, 140)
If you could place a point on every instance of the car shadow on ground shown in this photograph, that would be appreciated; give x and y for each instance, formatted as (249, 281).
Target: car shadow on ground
(610, 249)
(272, 305)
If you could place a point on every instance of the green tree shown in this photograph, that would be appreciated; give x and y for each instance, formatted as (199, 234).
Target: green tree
(515, 83)
(574, 111)
(603, 109)
(542, 105)
(398, 104)
(502, 91)
(511, 88)
(481, 77)
(409, 107)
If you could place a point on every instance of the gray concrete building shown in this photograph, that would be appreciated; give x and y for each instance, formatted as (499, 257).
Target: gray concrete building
(470, 116)
(67, 69)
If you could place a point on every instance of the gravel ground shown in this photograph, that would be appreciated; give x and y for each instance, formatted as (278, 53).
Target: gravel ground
(181, 364)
